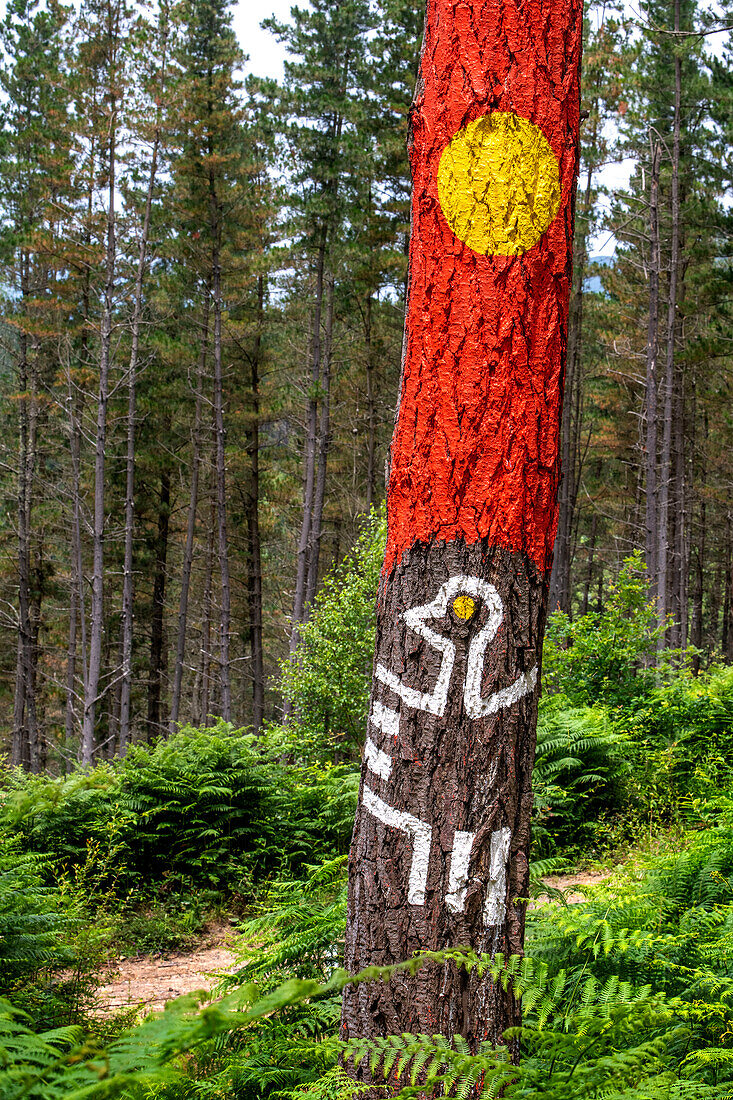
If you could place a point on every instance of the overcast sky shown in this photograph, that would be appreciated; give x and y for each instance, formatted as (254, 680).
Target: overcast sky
(265, 52)
(266, 57)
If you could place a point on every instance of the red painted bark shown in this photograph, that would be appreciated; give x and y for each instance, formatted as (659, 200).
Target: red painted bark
(485, 335)
(440, 852)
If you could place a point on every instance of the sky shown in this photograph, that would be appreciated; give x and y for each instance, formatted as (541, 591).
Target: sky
(265, 52)
(266, 56)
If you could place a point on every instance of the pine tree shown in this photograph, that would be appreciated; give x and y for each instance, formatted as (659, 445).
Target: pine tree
(439, 856)
(33, 176)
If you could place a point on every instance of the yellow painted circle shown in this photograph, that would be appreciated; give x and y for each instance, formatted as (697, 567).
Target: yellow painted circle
(464, 607)
(499, 184)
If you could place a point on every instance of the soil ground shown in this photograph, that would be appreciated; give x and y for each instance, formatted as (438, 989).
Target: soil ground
(150, 982)
(571, 885)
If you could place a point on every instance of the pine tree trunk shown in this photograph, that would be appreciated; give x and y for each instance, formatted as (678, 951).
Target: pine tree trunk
(221, 492)
(78, 602)
(205, 705)
(310, 457)
(157, 627)
(127, 584)
(726, 641)
(665, 548)
(560, 579)
(191, 522)
(252, 509)
(652, 350)
(371, 479)
(440, 850)
(25, 724)
(324, 442)
(91, 693)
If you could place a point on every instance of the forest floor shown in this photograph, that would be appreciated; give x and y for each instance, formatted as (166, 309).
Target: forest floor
(152, 981)
(571, 885)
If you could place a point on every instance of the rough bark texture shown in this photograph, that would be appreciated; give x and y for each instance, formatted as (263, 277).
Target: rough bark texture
(440, 847)
(191, 522)
(476, 442)
(458, 775)
(652, 351)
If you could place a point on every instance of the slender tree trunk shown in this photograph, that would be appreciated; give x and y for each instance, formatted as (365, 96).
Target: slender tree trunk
(727, 625)
(324, 442)
(560, 578)
(590, 565)
(127, 583)
(25, 748)
(665, 549)
(192, 508)
(75, 401)
(309, 460)
(698, 590)
(440, 852)
(371, 479)
(652, 350)
(254, 557)
(91, 693)
(157, 628)
(206, 624)
(221, 496)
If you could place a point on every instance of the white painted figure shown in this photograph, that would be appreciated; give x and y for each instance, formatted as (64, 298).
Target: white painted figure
(435, 702)
(387, 721)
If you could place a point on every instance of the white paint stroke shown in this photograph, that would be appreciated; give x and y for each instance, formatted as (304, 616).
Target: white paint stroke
(385, 719)
(434, 702)
(476, 707)
(376, 760)
(495, 905)
(422, 836)
(460, 858)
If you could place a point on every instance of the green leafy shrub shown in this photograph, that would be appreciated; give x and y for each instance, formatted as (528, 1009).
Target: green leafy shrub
(579, 777)
(602, 657)
(207, 810)
(328, 678)
(48, 956)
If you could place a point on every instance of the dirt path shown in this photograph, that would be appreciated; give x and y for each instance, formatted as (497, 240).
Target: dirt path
(566, 883)
(151, 982)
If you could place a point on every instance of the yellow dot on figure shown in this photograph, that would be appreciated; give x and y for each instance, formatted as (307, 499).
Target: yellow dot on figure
(464, 607)
(499, 184)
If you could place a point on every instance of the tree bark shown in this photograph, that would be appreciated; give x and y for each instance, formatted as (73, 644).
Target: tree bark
(560, 579)
(96, 636)
(440, 850)
(726, 637)
(191, 522)
(309, 461)
(25, 749)
(652, 351)
(205, 705)
(371, 478)
(252, 510)
(157, 628)
(665, 548)
(127, 582)
(324, 443)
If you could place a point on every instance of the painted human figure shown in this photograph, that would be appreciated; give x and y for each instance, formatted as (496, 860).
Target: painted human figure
(456, 667)
(472, 613)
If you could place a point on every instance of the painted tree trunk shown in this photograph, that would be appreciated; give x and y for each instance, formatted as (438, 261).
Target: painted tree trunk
(440, 850)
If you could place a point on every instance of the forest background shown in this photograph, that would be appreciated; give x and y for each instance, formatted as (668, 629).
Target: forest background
(203, 285)
(203, 279)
